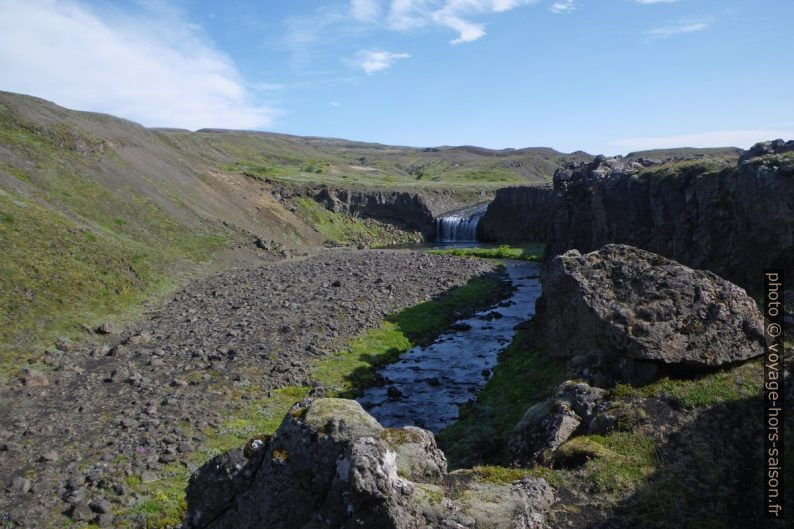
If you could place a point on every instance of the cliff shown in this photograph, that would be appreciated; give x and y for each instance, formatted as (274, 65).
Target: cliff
(735, 218)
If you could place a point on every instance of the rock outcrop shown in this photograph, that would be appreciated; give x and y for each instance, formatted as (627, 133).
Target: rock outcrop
(734, 218)
(331, 465)
(521, 213)
(547, 425)
(635, 305)
(406, 209)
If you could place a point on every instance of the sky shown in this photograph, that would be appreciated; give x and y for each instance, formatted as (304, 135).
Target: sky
(604, 76)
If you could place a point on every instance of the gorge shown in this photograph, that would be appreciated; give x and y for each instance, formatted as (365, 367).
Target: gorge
(200, 327)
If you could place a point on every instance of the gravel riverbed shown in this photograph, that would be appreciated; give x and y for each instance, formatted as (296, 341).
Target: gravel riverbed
(75, 426)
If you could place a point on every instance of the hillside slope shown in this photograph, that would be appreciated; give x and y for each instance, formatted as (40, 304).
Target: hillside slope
(98, 213)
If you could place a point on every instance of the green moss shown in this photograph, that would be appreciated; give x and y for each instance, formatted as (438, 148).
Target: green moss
(348, 229)
(525, 375)
(397, 437)
(626, 461)
(530, 252)
(728, 384)
(162, 502)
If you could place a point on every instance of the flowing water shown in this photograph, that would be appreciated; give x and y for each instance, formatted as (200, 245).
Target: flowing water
(427, 384)
(460, 226)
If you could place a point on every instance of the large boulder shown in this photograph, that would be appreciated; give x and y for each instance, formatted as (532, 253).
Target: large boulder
(633, 304)
(330, 465)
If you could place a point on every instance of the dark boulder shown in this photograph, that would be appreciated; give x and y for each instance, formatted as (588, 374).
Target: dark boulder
(632, 304)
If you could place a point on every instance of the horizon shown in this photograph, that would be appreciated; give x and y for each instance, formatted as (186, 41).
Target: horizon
(610, 78)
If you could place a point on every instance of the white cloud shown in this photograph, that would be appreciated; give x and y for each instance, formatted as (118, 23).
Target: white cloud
(372, 61)
(684, 26)
(156, 71)
(406, 15)
(564, 6)
(336, 104)
(724, 138)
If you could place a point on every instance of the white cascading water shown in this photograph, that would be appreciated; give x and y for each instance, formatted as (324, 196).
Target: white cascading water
(460, 226)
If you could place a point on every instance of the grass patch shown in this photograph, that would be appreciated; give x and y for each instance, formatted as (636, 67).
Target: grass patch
(351, 230)
(500, 474)
(529, 252)
(725, 385)
(77, 250)
(525, 375)
(626, 461)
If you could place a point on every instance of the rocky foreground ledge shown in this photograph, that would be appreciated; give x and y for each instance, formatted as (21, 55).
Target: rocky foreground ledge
(331, 465)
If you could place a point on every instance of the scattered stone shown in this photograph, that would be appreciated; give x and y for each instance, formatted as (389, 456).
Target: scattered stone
(33, 377)
(81, 512)
(20, 485)
(109, 328)
(51, 456)
(100, 505)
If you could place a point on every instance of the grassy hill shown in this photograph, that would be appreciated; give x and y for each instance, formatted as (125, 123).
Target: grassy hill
(98, 213)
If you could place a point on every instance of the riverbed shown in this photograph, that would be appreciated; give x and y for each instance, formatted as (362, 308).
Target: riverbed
(427, 384)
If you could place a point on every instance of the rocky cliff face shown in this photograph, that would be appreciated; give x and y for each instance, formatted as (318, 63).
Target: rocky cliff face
(519, 213)
(735, 219)
(409, 210)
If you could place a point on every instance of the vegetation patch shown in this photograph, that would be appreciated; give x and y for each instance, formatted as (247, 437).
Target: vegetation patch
(708, 389)
(621, 461)
(529, 252)
(351, 230)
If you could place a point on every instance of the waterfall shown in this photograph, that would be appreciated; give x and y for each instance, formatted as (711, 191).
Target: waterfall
(460, 226)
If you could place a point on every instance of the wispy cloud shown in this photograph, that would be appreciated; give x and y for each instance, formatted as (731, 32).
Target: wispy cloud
(154, 70)
(407, 15)
(372, 61)
(682, 26)
(365, 10)
(563, 6)
(723, 138)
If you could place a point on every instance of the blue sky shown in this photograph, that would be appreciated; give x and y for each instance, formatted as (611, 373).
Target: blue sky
(606, 76)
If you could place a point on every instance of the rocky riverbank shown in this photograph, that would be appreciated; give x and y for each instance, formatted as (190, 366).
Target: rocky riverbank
(88, 428)
(601, 442)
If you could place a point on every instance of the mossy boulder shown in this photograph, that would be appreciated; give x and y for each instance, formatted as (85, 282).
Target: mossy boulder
(331, 465)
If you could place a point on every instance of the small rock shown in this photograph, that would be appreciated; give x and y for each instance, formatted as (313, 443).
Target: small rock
(20, 485)
(81, 512)
(33, 377)
(100, 505)
(49, 457)
(394, 393)
(147, 476)
(109, 328)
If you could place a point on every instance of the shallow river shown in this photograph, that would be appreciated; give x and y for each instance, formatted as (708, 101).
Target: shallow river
(427, 384)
